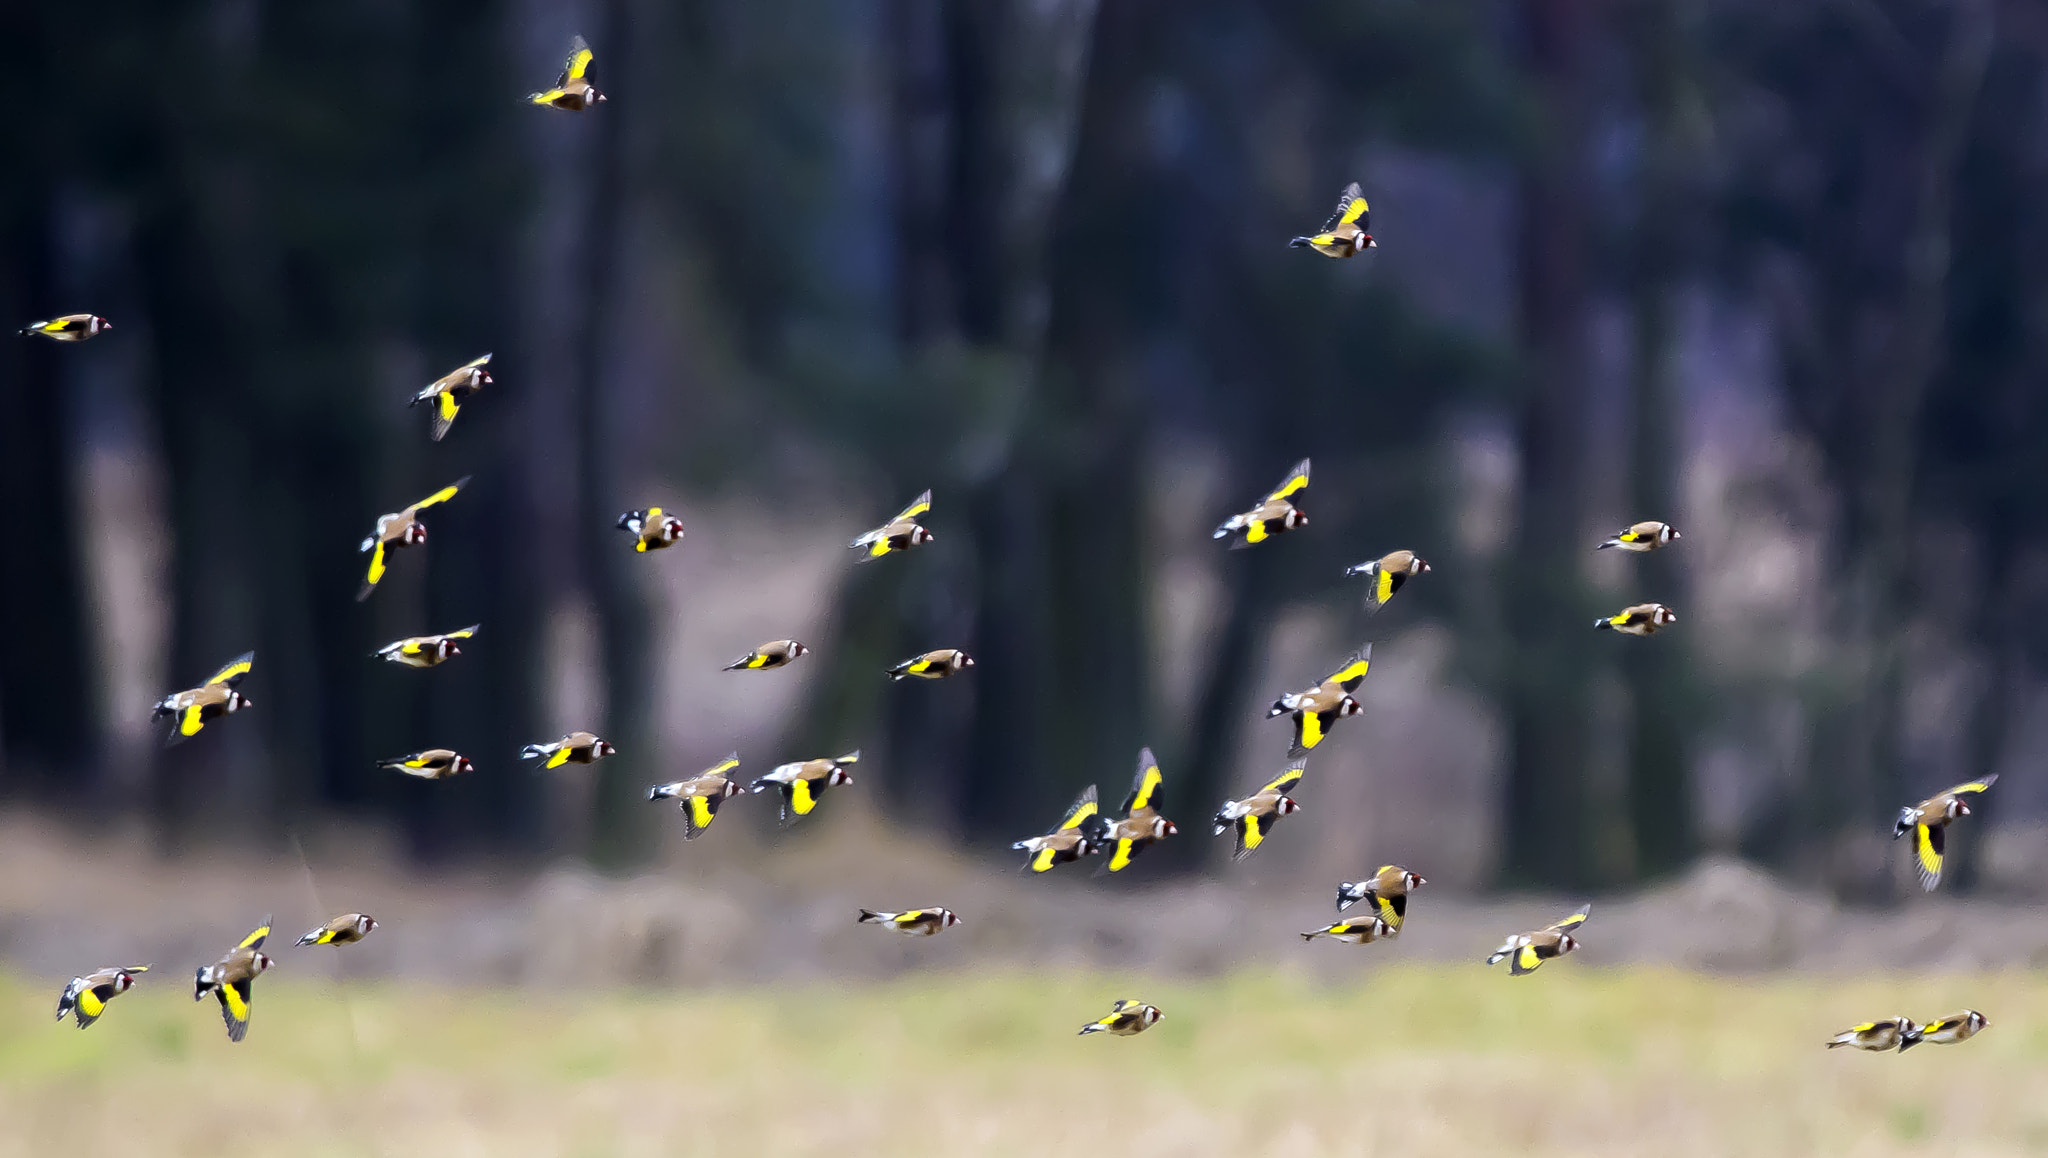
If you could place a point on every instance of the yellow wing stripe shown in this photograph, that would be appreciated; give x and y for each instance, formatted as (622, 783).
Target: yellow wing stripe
(1294, 484)
(1041, 860)
(1383, 586)
(376, 574)
(1121, 859)
(801, 798)
(232, 998)
(239, 667)
(1973, 786)
(439, 496)
(725, 765)
(1526, 959)
(1353, 672)
(90, 1003)
(1256, 532)
(1388, 913)
(922, 505)
(255, 939)
(1148, 785)
(448, 405)
(1923, 847)
(700, 811)
(1311, 728)
(878, 548)
(1254, 832)
(579, 64)
(560, 757)
(1283, 782)
(1080, 814)
(191, 722)
(1355, 210)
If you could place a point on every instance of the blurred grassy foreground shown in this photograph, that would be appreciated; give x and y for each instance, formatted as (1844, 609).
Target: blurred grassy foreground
(1400, 1060)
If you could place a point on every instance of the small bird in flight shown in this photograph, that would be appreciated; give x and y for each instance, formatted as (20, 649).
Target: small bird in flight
(898, 534)
(85, 999)
(426, 650)
(70, 327)
(1126, 1017)
(1526, 952)
(1083, 831)
(1344, 234)
(933, 665)
(700, 795)
(1928, 821)
(432, 764)
(447, 392)
(1388, 574)
(1387, 889)
(1254, 816)
(346, 929)
(574, 748)
(803, 782)
(1641, 619)
(216, 697)
(1353, 930)
(231, 978)
(775, 653)
(400, 529)
(1274, 514)
(652, 529)
(1320, 707)
(573, 90)
(1878, 1036)
(1142, 825)
(918, 922)
(1643, 537)
(1953, 1028)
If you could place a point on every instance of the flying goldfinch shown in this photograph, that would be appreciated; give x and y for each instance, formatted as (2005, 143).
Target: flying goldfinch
(898, 534)
(932, 665)
(700, 795)
(573, 90)
(802, 783)
(447, 392)
(574, 748)
(652, 529)
(1388, 891)
(775, 653)
(1274, 514)
(1353, 930)
(1142, 825)
(70, 327)
(346, 929)
(1254, 816)
(1344, 234)
(401, 529)
(1317, 709)
(1526, 952)
(1388, 574)
(1643, 537)
(85, 998)
(230, 979)
(426, 650)
(1083, 831)
(1929, 820)
(1941, 1031)
(1878, 1036)
(432, 764)
(917, 922)
(1641, 619)
(1125, 1018)
(216, 697)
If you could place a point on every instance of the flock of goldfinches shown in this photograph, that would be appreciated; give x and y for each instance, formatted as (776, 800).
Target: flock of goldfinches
(1084, 830)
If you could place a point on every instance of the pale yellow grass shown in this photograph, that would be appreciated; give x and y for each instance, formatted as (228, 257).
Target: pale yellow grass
(1406, 1060)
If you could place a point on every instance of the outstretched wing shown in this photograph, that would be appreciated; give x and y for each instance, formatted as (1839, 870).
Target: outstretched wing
(918, 506)
(1352, 673)
(445, 409)
(1295, 482)
(1525, 960)
(1285, 782)
(1573, 921)
(1928, 843)
(442, 495)
(1145, 785)
(578, 64)
(1975, 785)
(234, 671)
(1084, 806)
(255, 940)
(375, 575)
(234, 1008)
(1351, 208)
(465, 633)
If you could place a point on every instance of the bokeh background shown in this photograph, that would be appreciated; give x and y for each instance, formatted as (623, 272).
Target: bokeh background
(1774, 271)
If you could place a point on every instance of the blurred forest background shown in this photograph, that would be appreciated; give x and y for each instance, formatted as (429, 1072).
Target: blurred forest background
(1776, 272)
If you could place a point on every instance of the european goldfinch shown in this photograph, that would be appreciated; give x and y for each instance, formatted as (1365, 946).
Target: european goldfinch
(432, 764)
(1942, 1030)
(70, 327)
(652, 529)
(933, 665)
(1354, 930)
(802, 783)
(1142, 825)
(1878, 1036)
(917, 922)
(1125, 1018)
(1344, 234)
(85, 999)
(574, 748)
(1387, 574)
(1641, 619)
(447, 392)
(400, 529)
(1929, 820)
(1317, 709)
(1388, 891)
(1083, 831)
(898, 534)
(1273, 515)
(230, 979)
(426, 650)
(1642, 537)
(573, 90)
(1254, 816)
(346, 929)
(1526, 952)
(216, 697)
(774, 653)
(700, 795)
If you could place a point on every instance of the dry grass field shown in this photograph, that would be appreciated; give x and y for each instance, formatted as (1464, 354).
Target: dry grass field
(1404, 1060)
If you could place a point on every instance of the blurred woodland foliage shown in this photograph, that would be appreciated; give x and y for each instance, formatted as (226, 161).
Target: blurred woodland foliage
(1000, 249)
